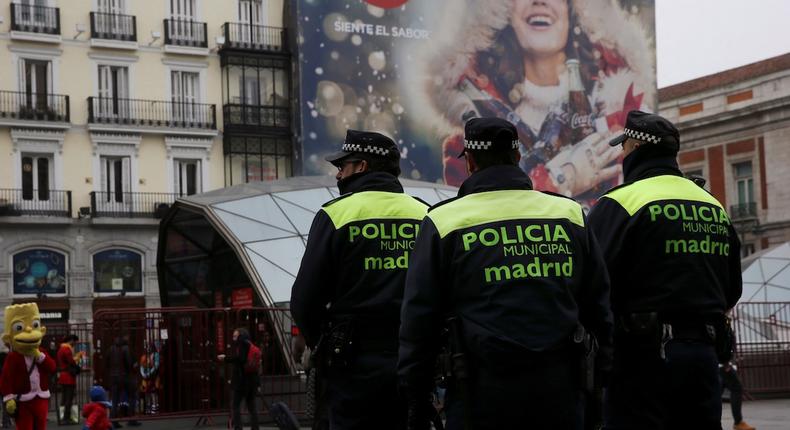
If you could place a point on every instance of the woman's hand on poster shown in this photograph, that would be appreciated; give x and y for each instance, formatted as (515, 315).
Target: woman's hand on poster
(221, 357)
(584, 165)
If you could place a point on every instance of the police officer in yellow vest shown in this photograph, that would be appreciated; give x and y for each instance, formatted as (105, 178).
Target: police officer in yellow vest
(350, 285)
(674, 262)
(520, 272)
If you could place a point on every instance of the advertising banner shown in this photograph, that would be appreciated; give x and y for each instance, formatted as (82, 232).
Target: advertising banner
(564, 72)
(39, 271)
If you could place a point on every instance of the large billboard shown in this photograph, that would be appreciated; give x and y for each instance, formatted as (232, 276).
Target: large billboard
(565, 72)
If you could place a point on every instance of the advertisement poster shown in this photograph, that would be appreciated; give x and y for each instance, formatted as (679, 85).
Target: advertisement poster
(39, 271)
(117, 270)
(564, 72)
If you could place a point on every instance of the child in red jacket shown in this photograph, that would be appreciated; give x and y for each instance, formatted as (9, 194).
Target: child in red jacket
(95, 412)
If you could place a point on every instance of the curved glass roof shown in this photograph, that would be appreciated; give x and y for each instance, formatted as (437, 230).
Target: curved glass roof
(265, 223)
(762, 320)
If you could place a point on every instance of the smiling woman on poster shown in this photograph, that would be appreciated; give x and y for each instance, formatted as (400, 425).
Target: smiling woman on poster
(565, 72)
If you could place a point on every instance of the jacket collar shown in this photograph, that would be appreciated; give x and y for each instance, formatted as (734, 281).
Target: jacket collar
(495, 178)
(648, 162)
(370, 181)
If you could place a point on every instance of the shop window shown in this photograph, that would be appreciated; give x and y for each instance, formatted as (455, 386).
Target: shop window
(39, 271)
(117, 271)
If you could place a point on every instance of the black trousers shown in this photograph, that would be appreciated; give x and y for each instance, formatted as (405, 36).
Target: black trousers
(67, 400)
(649, 393)
(543, 394)
(729, 380)
(247, 393)
(365, 396)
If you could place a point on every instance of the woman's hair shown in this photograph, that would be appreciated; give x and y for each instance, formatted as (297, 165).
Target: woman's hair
(505, 69)
(244, 334)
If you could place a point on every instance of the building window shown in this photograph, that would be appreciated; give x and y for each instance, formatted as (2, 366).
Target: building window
(185, 94)
(39, 271)
(747, 249)
(113, 92)
(187, 177)
(115, 178)
(35, 82)
(744, 183)
(250, 159)
(256, 92)
(37, 175)
(116, 271)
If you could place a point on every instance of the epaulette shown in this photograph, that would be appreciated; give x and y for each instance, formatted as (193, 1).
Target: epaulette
(336, 199)
(552, 193)
(442, 203)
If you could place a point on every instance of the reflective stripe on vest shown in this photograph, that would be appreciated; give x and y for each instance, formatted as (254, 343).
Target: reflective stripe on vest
(504, 205)
(666, 187)
(374, 205)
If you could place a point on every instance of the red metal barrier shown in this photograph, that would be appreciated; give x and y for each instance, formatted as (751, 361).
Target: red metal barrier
(176, 371)
(762, 330)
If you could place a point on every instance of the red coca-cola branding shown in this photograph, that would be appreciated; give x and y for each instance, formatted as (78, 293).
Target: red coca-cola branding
(387, 4)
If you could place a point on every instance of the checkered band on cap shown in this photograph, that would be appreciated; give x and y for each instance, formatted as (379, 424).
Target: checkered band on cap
(353, 147)
(645, 137)
(484, 144)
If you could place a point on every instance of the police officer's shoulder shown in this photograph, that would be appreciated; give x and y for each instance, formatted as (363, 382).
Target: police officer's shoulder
(551, 193)
(421, 201)
(336, 199)
(443, 202)
(615, 188)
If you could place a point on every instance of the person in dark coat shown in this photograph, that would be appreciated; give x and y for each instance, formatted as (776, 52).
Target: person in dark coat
(244, 385)
(119, 368)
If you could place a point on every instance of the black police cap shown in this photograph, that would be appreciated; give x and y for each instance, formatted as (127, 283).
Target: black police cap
(650, 128)
(366, 142)
(489, 134)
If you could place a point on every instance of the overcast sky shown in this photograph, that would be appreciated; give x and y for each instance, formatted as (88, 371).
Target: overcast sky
(699, 37)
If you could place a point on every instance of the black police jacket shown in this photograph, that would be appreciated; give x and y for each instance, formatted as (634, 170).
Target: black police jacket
(518, 267)
(669, 245)
(356, 256)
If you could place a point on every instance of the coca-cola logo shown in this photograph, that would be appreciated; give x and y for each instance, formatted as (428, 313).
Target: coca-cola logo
(581, 121)
(387, 4)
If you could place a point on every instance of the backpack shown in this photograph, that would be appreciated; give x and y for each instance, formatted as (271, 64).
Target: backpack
(253, 364)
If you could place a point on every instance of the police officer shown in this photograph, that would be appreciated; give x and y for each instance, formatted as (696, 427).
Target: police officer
(350, 285)
(673, 259)
(519, 272)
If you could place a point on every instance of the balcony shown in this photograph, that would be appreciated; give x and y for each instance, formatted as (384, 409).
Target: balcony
(22, 108)
(743, 211)
(35, 23)
(185, 34)
(130, 205)
(152, 116)
(19, 202)
(243, 116)
(249, 37)
(112, 30)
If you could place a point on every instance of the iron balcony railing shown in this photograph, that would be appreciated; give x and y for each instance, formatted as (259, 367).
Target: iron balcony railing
(256, 116)
(151, 113)
(35, 19)
(743, 211)
(186, 33)
(113, 26)
(130, 205)
(29, 201)
(34, 106)
(254, 37)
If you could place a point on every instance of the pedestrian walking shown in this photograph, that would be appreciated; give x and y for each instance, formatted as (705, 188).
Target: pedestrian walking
(674, 261)
(245, 378)
(68, 369)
